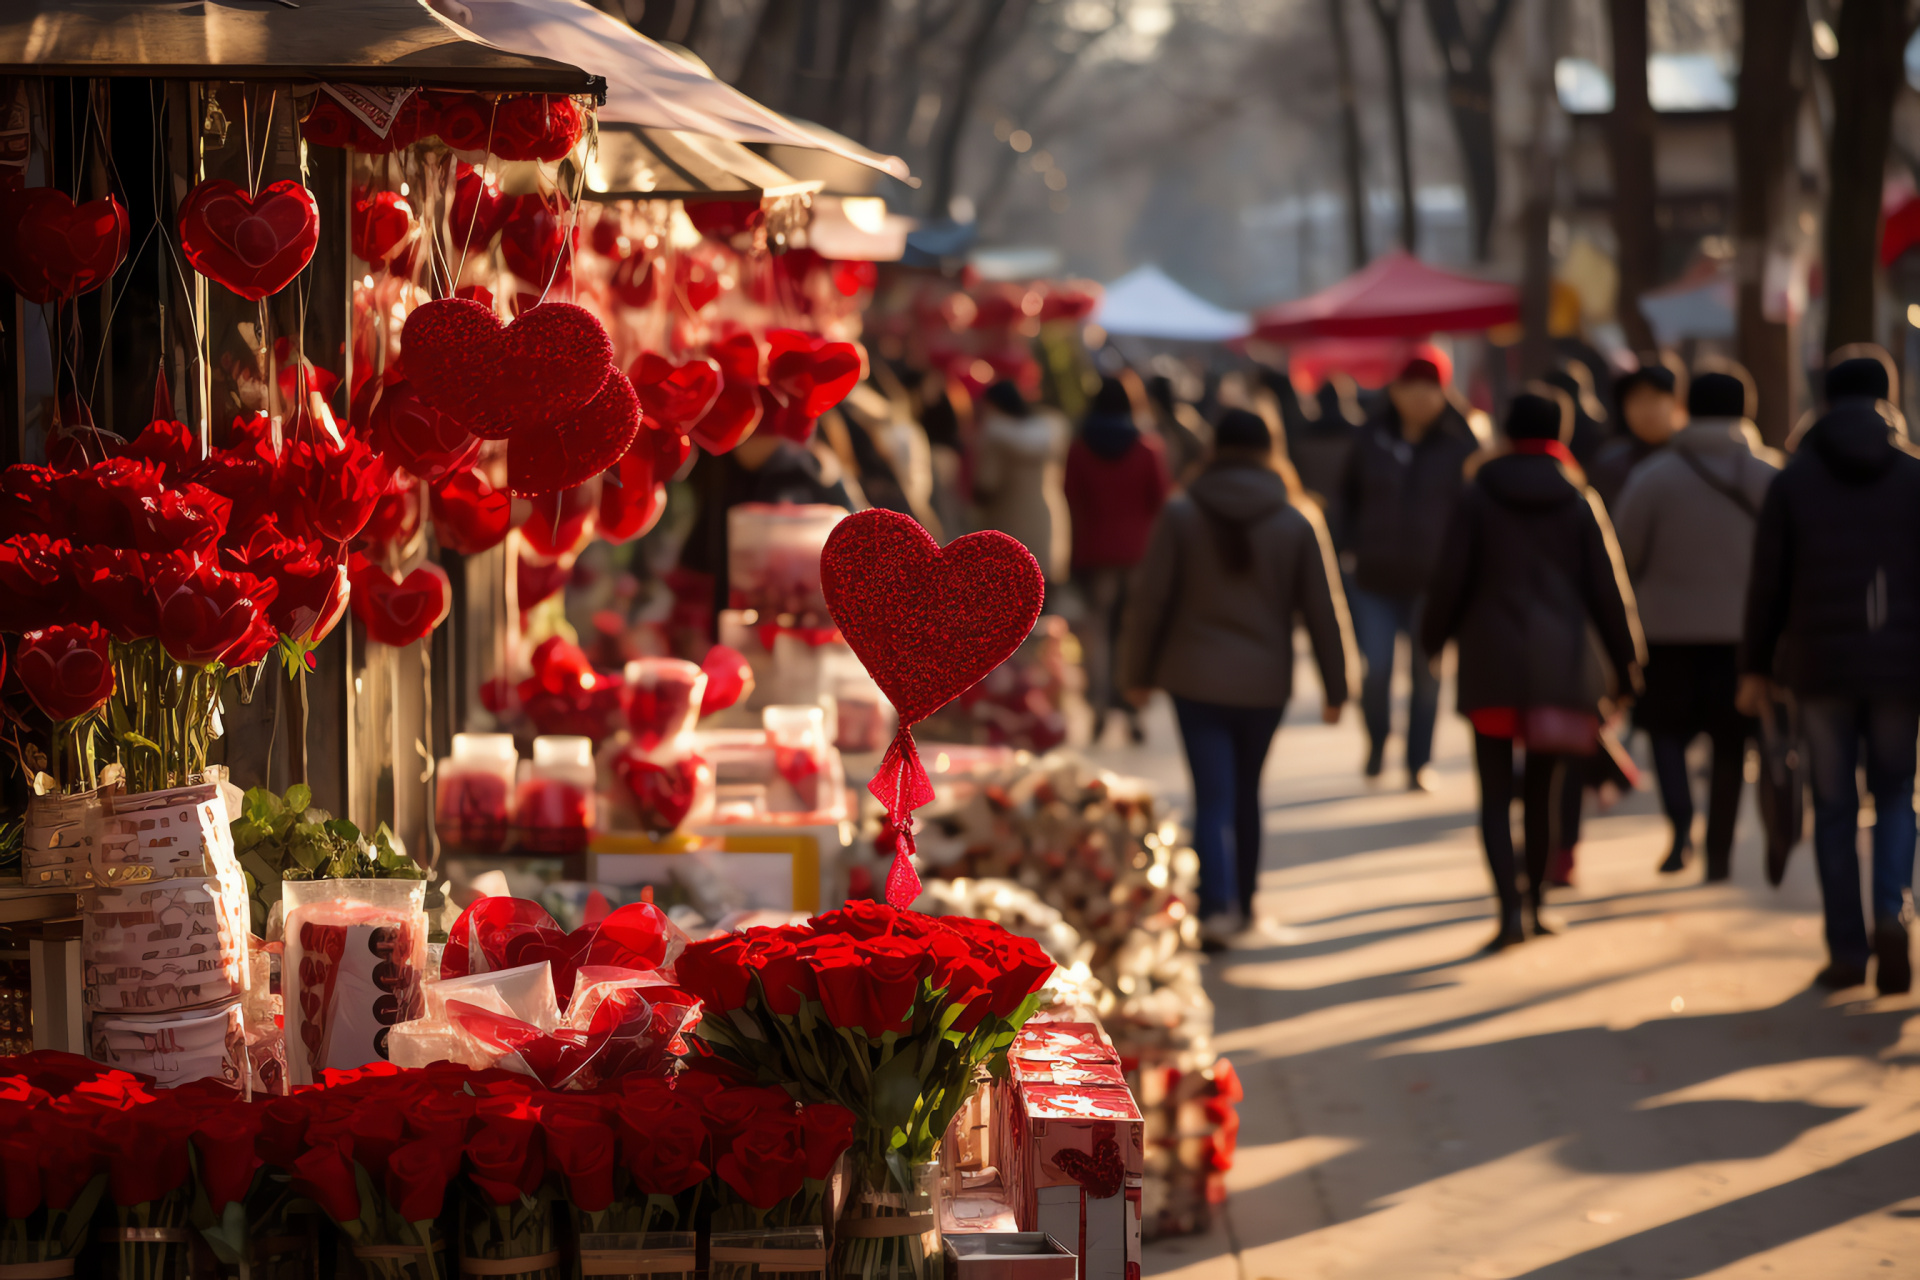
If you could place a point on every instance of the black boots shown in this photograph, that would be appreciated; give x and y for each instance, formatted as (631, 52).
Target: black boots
(1892, 950)
(1511, 934)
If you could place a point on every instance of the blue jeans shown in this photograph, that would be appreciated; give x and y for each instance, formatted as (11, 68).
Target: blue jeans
(1377, 622)
(1226, 747)
(1835, 729)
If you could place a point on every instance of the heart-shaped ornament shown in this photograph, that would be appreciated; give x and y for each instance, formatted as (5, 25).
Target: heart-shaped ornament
(492, 378)
(560, 522)
(575, 447)
(1101, 1174)
(254, 246)
(631, 500)
(52, 249)
(399, 611)
(811, 375)
(927, 622)
(469, 514)
(424, 441)
(675, 394)
(736, 410)
(478, 209)
(382, 220)
(536, 580)
(534, 241)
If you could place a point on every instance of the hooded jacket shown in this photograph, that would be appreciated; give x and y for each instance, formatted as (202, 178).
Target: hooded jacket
(1833, 608)
(1686, 525)
(1531, 585)
(1116, 482)
(1397, 498)
(1199, 629)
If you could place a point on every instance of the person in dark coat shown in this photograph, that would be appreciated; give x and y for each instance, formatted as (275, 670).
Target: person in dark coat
(1232, 564)
(1530, 584)
(1406, 470)
(1589, 415)
(1116, 484)
(1321, 447)
(1648, 404)
(1833, 614)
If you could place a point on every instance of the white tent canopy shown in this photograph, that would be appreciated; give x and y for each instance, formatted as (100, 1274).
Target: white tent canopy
(1148, 303)
(648, 85)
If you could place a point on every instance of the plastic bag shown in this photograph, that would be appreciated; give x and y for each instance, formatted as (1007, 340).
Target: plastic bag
(356, 954)
(507, 933)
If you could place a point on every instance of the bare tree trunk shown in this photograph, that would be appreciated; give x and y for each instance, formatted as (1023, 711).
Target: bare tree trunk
(1469, 62)
(854, 56)
(973, 65)
(1387, 14)
(1630, 143)
(768, 70)
(1865, 77)
(1772, 80)
(1536, 286)
(1352, 161)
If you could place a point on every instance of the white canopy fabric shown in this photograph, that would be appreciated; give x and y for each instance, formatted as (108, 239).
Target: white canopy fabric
(1148, 303)
(648, 85)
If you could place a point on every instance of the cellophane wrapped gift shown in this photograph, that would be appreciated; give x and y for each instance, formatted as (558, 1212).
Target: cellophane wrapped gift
(57, 844)
(174, 1048)
(356, 953)
(166, 923)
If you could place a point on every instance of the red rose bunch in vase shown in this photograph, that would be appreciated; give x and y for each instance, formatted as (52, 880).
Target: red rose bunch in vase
(891, 1014)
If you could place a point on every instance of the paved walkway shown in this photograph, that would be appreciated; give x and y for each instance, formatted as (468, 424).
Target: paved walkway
(1655, 1092)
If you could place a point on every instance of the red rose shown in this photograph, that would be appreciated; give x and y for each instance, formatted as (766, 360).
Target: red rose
(662, 1150)
(535, 126)
(415, 1180)
(26, 500)
(1017, 966)
(376, 1131)
(70, 1157)
(189, 519)
(714, 970)
(767, 1163)
(114, 583)
(325, 1176)
(34, 577)
(224, 1141)
(786, 980)
(463, 120)
(283, 1131)
(469, 514)
(582, 1150)
(871, 985)
(478, 209)
(98, 504)
(341, 486)
(504, 1161)
(733, 1110)
(860, 918)
(311, 595)
(206, 614)
(146, 1152)
(442, 1120)
(170, 444)
(66, 670)
(827, 1130)
(397, 514)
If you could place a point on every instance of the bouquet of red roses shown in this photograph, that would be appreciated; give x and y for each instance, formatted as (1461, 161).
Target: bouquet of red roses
(140, 580)
(890, 1014)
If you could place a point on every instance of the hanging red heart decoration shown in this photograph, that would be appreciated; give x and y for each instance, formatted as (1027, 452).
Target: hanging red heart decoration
(676, 394)
(736, 410)
(399, 611)
(534, 241)
(635, 281)
(479, 210)
(491, 377)
(562, 521)
(806, 376)
(469, 514)
(575, 447)
(928, 622)
(382, 220)
(254, 245)
(424, 441)
(538, 579)
(631, 498)
(52, 249)
(696, 277)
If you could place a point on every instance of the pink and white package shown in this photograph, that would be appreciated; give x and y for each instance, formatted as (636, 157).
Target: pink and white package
(356, 952)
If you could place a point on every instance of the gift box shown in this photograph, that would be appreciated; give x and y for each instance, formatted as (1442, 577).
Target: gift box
(168, 944)
(1073, 1170)
(174, 1048)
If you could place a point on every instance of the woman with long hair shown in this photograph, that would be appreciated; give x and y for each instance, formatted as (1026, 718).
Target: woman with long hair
(1231, 564)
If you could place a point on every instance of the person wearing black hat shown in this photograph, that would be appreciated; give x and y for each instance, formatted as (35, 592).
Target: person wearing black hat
(1528, 573)
(1833, 614)
(1404, 473)
(1209, 618)
(1647, 405)
(1686, 526)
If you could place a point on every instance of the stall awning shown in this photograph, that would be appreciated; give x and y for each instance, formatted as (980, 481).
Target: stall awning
(643, 164)
(345, 41)
(1148, 303)
(1394, 296)
(648, 85)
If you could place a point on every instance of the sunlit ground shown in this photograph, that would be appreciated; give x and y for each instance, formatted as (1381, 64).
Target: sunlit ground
(1654, 1092)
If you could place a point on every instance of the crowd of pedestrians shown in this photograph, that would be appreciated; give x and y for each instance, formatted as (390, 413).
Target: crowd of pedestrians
(1645, 565)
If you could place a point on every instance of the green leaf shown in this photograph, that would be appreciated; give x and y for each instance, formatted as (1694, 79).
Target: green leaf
(299, 797)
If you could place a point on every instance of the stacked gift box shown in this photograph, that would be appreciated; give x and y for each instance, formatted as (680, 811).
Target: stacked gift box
(165, 938)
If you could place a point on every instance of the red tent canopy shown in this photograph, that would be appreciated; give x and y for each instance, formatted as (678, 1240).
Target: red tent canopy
(1394, 296)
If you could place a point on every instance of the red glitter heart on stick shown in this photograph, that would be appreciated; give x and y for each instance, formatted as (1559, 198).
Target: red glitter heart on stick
(928, 622)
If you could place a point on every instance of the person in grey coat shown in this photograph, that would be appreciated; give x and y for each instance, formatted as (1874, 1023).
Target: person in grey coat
(1686, 525)
(1230, 566)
